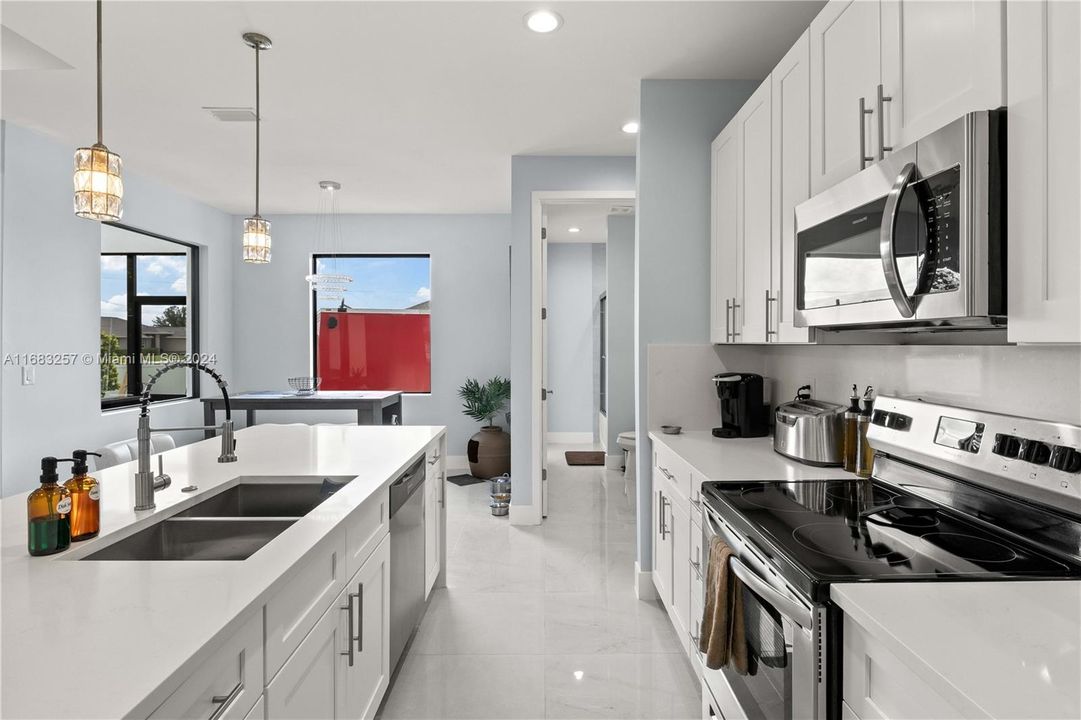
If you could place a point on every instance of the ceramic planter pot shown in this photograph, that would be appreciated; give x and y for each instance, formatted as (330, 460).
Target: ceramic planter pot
(488, 452)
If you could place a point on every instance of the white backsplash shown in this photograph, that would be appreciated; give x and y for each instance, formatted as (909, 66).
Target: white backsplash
(1035, 381)
(681, 390)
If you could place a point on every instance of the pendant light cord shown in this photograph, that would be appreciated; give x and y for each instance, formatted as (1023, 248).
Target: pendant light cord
(258, 121)
(100, 134)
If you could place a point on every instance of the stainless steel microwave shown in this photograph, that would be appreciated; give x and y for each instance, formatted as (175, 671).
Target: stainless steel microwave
(917, 240)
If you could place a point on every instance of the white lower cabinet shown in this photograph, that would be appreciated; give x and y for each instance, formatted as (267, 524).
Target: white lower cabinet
(341, 668)
(227, 684)
(877, 685)
(433, 517)
(681, 570)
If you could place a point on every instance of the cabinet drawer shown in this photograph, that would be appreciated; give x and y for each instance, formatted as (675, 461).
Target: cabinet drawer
(301, 600)
(877, 685)
(227, 684)
(677, 472)
(365, 529)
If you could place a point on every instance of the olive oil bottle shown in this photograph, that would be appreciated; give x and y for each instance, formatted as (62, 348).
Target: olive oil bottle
(85, 498)
(865, 455)
(48, 513)
(851, 431)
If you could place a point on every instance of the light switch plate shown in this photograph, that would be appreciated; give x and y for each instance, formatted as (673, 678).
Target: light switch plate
(28, 375)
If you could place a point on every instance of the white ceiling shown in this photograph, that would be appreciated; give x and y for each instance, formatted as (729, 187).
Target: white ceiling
(412, 106)
(591, 219)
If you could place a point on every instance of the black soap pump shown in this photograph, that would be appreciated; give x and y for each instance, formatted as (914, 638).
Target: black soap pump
(48, 512)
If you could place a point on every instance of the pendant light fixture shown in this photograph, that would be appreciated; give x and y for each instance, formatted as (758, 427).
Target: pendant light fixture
(256, 240)
(99, 185)
(328, 282)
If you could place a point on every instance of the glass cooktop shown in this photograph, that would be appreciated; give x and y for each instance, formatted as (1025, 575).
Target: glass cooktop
(851, 530)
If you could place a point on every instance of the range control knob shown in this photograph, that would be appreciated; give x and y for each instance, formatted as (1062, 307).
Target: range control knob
(1006, 445)
(1034, 451)
(1065, 459)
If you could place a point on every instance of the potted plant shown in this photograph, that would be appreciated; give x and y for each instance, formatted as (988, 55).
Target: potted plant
(488, 451)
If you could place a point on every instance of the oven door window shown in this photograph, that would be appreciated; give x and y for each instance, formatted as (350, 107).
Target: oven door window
(765, 691)
(839, 260)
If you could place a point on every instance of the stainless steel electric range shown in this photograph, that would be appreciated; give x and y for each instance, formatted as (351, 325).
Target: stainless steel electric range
(956, 495)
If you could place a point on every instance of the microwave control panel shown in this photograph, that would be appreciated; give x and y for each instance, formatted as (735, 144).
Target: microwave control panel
(939, 199)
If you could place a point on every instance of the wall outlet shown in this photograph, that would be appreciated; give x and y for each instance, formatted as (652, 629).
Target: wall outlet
(28, 374)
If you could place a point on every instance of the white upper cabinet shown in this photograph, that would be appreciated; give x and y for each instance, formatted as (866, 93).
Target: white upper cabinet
(755, 141)
(940, 60)
(725, 258)
(791, 107)
(845, 68)
(1044, 182)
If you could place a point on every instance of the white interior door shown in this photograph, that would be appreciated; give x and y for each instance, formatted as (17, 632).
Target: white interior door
(544, 365)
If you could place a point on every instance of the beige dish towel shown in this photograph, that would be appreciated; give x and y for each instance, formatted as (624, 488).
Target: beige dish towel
(722, 636)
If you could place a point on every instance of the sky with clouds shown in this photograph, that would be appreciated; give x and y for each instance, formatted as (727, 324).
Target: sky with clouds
(383, 283)
(155, 275)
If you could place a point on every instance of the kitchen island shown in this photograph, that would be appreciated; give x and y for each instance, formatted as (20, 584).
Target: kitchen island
(119, 638)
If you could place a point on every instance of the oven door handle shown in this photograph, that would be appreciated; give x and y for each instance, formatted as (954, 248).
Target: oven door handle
(794, 611)
(887, 246)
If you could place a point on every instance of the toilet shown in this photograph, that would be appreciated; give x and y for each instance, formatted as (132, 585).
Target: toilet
(626, 441)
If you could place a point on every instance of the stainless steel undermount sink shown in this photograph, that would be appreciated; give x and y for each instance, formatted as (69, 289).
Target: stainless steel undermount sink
(195, 539)
(257, 496)
(231, 525)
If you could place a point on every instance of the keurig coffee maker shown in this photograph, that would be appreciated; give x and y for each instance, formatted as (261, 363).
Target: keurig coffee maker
(743, 414)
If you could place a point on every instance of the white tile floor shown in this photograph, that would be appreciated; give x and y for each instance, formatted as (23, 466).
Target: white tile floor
(542, 622)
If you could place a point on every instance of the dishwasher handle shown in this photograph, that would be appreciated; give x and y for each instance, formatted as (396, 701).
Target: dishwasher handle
(406, 485)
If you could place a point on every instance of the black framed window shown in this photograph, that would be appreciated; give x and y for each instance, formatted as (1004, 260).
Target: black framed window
(149, 315)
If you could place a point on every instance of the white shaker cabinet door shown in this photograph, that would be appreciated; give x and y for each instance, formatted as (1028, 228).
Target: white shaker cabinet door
(791, 177)
(845, 67)
(725, 259)
(1044, 178)
(366, 678)
(310, 681)
(755, 216)
(940, 60)
(681, 569)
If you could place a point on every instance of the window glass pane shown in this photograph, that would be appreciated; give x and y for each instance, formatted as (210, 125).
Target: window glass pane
(162, 275)
(378, 337)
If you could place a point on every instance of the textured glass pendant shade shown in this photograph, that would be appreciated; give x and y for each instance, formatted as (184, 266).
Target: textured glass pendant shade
(256, 240)
(99, 183)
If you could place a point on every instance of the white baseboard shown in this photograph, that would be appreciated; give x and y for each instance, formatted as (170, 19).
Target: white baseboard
(569, 438)
(644, 589)
(614, 462)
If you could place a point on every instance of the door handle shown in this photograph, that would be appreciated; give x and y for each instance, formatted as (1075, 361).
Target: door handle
(348, 607)
(864, 157)
(735, 306)
(664, 523)
(224, 701)
(883, 148)
(769, 316)
(887, 249)
(360, 617)
(727, 323)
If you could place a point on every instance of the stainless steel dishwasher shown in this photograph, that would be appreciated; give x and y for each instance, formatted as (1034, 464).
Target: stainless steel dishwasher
(406, 557)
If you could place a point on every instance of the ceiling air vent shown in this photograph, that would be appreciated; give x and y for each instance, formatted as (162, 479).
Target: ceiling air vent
(232, 114)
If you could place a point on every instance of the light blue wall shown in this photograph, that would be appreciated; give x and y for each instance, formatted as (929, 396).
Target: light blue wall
(530, 174)
(470, 310)
(620, 328)
(679, 119)
(571, 305)
(51, 302)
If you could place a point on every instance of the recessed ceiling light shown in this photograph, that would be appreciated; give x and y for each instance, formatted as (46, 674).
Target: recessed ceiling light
(543, 21)
(574, 229)
(630, 128)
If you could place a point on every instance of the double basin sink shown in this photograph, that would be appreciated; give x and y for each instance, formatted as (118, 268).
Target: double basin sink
(230, 525)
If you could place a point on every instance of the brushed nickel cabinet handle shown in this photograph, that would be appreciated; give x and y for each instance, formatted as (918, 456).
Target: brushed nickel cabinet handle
(769, 316)
(360, 616)
(349, 641)
(727, 323)
(735, 306)
(224, 701)
(883, 148)
(864, 157)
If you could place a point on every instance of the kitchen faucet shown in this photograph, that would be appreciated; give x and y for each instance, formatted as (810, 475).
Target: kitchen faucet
(145, 482)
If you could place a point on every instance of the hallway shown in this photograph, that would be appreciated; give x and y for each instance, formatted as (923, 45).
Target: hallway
(542, 622)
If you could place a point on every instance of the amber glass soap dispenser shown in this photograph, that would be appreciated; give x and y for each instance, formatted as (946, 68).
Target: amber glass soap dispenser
(85, 498)
(48, 513)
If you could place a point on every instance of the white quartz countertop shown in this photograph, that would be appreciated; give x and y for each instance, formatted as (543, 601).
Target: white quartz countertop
(736, 459)
(109, 639)
(993, 649)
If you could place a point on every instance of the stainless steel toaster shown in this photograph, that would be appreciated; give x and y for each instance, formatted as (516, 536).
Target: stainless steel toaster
(810, 431)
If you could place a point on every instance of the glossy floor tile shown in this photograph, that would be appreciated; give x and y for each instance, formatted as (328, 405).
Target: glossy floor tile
(542, 622)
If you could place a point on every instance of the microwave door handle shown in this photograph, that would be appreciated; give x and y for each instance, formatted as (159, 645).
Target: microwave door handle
(887, 247)
(794, 611)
